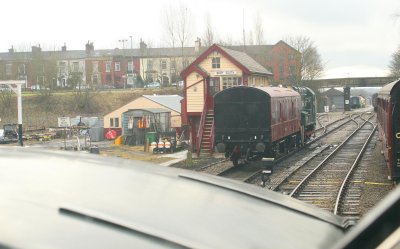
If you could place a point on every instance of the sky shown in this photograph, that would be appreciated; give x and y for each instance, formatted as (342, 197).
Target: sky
(355, 38)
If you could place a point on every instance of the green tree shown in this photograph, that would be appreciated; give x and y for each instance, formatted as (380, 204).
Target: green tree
(311, 66)
(394, 65)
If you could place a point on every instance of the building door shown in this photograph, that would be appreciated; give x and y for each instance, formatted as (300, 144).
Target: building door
(212, 89)
(213, 86)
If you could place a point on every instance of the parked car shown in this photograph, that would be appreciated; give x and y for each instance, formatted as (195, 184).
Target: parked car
(153, 85)
(178, 84)
(82, 87)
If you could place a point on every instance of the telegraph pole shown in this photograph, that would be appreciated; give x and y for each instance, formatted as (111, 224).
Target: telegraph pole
(123, 53)
(133, 83)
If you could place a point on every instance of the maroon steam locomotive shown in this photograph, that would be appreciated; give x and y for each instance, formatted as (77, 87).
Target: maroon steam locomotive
(388, 112)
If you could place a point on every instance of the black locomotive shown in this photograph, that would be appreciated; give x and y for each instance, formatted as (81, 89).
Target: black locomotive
(252, 123)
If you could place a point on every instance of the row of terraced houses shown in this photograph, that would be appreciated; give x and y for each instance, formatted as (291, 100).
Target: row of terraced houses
(122, 68)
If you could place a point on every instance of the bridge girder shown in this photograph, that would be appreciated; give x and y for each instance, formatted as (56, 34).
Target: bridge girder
(349, 82)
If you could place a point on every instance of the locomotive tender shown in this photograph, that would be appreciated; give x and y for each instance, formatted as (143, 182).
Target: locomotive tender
(256, 122)
(388, 116)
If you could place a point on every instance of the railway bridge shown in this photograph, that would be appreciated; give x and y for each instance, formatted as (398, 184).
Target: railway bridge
(347, 83)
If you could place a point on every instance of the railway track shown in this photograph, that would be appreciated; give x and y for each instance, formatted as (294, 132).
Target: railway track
(325, 185)
(348, 201)
(249, 172)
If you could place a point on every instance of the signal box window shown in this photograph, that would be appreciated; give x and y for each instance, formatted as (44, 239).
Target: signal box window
(216, 62)
(228, 82)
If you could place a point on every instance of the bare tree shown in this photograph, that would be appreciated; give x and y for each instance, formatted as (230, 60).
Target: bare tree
(258, 30)
(170, 24)
(209, 33)
(250, 40)
(394, 65)
(311, 66)
(184, 27)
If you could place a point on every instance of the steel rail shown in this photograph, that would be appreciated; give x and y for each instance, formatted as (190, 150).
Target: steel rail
(305, 179)
(353, 167)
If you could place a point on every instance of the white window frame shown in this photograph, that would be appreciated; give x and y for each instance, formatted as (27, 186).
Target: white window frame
(108, 66)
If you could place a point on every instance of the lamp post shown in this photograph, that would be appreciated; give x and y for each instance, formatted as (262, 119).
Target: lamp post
(123, 53)
(133, 83)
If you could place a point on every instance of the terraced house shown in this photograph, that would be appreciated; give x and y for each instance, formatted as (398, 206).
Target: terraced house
(122, 68)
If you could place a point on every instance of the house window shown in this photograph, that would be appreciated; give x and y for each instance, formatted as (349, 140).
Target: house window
(21, 69)
(163, 64)
(149, 65)
(215, 62)
(8, 69)
(117, 66)
(62, 67)
(173, 64)
(95, 67)
(114, 122)
(75, 66)
(108, 66)
(130, 66)
(228, 82)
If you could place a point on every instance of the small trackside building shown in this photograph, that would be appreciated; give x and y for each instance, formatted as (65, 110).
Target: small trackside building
(171, 103)
(215, 69)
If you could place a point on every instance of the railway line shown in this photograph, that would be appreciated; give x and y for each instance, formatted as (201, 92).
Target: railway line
(252, 172)
(318, 173)
(328, 184)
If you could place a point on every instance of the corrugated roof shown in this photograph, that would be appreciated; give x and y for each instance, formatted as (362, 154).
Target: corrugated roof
(151, 110)
(248, 62)
(172, 102)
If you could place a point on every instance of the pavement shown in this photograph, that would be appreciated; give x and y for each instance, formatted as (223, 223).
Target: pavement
(178, 157)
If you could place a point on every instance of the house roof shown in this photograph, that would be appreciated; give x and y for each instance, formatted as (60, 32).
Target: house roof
(80, 54)
(172, 102)
(248, 62)
(252, 50)
(151, 110)
(333, 92)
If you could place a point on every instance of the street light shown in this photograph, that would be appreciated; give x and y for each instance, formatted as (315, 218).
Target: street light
(133, 83)
(123, 53)
(123, 42)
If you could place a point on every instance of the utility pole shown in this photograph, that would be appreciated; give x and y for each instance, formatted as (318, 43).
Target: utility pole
(123, 53)
(244, 34)
(133, 83)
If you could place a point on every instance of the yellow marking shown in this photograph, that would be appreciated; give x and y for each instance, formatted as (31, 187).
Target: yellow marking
(378, 183)
(398, 135)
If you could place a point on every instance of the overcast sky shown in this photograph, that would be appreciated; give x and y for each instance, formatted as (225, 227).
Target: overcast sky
(355, 38)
